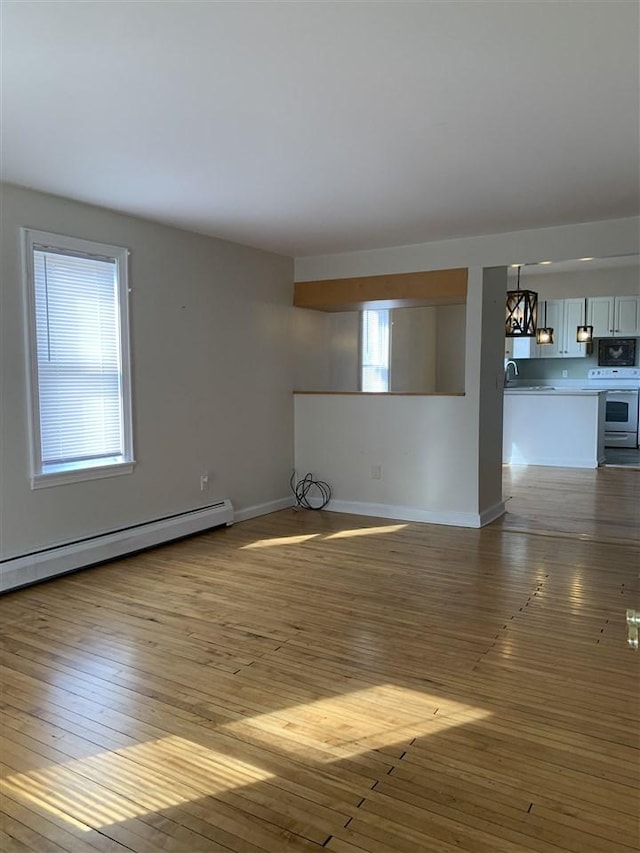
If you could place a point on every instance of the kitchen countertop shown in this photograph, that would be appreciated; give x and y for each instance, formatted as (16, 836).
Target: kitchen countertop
(537, 390)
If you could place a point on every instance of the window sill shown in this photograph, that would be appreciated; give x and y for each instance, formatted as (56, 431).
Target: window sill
(60, 478)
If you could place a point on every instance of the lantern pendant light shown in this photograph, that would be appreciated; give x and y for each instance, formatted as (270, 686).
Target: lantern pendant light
(584, 334)
(544, 335)
(522, 312)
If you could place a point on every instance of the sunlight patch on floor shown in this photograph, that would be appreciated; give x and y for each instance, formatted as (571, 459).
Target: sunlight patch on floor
(366, 531)
(279, 540)
(305, 537)
(353, 723)
(116, 786)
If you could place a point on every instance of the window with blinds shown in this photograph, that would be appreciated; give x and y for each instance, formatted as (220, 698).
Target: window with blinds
(375, 350)
(81, 414)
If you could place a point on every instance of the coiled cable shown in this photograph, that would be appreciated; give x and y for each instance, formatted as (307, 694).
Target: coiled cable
(310, 493)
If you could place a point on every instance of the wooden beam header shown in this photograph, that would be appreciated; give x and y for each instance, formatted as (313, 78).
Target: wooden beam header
(397, 290)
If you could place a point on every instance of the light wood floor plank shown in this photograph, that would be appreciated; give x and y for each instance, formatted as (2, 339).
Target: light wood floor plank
(308, 680)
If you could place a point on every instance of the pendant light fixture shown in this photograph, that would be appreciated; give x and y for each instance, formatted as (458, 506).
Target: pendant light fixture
(584, 334)
(522, 312)
(544, 335)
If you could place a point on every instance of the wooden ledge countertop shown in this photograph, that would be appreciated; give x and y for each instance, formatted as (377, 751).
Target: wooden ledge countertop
(387, 393)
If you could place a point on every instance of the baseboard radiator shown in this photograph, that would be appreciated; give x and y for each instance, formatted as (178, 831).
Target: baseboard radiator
(48, 563)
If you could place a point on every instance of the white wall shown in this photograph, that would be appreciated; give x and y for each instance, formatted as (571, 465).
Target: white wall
(310, 334)
(344, 352)
(431, 450)
(611, 281)
(212, 377)
(450, 335)
(326, 347)
(439, 456)
(339, 438)
(608, 238)
(413, 350)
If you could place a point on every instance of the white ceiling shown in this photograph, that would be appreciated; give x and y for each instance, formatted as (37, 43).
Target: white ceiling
(580, 265)
(309, 128)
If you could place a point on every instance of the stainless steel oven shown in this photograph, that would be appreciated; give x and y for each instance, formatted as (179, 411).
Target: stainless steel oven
(621, 418)
(621, 407)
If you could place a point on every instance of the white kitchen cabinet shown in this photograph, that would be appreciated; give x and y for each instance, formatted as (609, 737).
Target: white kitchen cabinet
(521, 348)
(574, 316)
(601, 315)
(614, 316)
(627, 317)
(553, 317)
(564, 316)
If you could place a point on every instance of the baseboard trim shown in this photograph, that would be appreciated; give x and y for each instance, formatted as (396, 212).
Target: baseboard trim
(553, 463)
(263, 509)
(408, 513)
(493, 512)
(67, 557)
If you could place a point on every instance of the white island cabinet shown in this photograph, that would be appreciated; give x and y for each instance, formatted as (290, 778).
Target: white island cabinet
(558, 427)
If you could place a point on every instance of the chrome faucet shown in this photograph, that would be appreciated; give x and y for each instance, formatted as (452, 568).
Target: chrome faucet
(510, 363)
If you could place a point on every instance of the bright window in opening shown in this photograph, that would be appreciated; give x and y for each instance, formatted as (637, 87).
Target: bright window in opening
(375, 350)
(77, 297)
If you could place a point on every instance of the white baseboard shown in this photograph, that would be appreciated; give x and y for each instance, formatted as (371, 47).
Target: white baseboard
(263, 509)
(407, 513)
(493, 512)
(553, 463)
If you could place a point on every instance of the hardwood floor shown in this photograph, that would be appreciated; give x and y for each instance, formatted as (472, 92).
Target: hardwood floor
(309, 680)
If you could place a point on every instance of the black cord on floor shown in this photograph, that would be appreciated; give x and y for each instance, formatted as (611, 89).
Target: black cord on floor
(307, 490)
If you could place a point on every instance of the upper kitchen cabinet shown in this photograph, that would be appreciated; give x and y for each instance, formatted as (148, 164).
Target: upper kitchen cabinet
(615, 316)
(564, 316)
(521, 348)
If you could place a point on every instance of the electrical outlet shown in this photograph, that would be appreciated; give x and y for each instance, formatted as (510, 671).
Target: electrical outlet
(204, 481)
(565, 373)
(376, 472)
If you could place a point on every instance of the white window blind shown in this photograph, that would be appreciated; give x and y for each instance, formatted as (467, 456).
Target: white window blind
(81, 417)
(375, 350)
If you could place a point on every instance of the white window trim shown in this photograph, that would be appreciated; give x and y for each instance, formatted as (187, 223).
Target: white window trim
(41, 481)
(29, 239)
